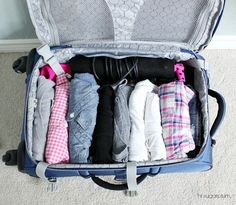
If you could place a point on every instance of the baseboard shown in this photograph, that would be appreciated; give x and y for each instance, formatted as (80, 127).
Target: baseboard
(18, 45)
(25, 45)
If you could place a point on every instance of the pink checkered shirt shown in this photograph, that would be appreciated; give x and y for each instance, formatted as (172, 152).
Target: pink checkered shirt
(57, 137)
(175, 119)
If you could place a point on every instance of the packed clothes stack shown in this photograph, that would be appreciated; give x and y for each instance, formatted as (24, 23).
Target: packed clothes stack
(105, 110)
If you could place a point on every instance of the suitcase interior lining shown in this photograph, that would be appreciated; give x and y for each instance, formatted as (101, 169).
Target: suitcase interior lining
(59, 22)
(151, 20)
(200, 84)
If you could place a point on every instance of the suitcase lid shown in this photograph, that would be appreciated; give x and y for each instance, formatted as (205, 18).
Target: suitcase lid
(183, 23)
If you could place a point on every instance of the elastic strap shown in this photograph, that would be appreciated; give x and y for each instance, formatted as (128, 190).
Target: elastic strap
(131, 176)
(50, 59)
(41, 169)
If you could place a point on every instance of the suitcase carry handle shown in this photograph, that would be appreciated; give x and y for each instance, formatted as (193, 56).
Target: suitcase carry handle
(116, 187)
(216, 124)
(221, 111)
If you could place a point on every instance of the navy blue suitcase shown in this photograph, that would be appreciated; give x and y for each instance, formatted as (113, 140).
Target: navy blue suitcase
(119, 30)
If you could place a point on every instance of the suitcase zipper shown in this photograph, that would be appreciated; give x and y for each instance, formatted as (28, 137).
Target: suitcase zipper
(85, 44)
(209, 36)
(196, 38)
(50, 23)
(138, 166)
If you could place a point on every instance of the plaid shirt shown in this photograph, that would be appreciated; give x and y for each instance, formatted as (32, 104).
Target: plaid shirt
(57, 137)
(175, 119)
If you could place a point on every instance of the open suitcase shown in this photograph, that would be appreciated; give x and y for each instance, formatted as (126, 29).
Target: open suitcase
(145, 28)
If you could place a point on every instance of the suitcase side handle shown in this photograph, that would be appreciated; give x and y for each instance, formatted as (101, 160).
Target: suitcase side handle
(116, 187)
(221, 111)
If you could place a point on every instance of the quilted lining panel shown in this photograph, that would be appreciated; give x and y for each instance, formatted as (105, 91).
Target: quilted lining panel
(144, 22)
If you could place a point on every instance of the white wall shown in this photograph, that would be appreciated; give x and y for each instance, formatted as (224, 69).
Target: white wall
(15, 22)
(228, 23)
(17, 33)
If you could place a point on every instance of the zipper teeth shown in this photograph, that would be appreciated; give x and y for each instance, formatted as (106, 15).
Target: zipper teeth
(209, 36)
(138, 166)
(177, 44)
(212, 30)
(53, 26)
(45, 13)
(199, 23)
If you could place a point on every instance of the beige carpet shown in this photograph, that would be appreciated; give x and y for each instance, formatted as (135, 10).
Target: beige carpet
(217, 186)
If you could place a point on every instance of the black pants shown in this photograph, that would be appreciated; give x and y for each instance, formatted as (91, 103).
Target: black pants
(101, 149)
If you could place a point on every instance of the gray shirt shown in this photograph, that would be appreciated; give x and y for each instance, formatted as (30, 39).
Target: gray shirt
(45, 96)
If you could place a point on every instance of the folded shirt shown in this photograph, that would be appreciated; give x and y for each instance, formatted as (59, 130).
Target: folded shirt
(57, 137)
(153, 130)
(83, 102)
(175, 119)
(122, 124)
(137, 149)
(101, 149)
(45, 96)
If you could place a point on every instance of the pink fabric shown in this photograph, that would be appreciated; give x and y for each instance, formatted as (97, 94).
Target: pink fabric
(179, 70)
(57, 137)
(175, 119)
(48, 73)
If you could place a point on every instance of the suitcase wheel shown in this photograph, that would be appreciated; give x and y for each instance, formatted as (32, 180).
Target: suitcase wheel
(19, 66)
(10, 158)
(15, 157)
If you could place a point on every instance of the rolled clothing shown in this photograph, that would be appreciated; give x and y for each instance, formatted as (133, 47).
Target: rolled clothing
(83, 102)
(137, 149)
(153, 130)
(122, 124)
(44, 96)
(160, 68)
(49, 73)
(101, 149)
(175, 119)
(57, 137)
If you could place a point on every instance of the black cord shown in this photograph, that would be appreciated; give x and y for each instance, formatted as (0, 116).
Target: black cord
(132, 70)
(110, 68)
(106, 66)
(94, 69)
(117, 69)
(132, 75)
(135, 70)
(120, 67)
